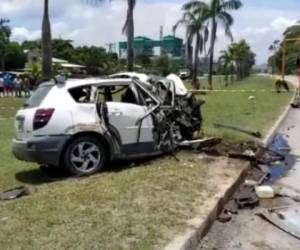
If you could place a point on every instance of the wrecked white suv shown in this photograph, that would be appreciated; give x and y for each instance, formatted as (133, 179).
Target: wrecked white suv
(79, 124)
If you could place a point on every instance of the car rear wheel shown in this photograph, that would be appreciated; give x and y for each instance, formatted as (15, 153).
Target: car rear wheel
(84, 156)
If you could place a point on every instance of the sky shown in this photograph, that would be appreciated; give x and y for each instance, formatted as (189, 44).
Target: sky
(260, 22)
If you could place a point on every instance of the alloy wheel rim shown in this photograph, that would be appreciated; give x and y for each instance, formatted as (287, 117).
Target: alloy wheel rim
(85, 156)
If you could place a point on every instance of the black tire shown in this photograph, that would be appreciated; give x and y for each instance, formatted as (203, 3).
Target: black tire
(79, 161)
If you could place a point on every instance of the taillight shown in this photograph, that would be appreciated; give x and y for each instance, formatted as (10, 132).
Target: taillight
(42, 117)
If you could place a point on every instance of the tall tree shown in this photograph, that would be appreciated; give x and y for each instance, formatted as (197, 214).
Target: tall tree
(292, 51)
(5, 33)
(195, 21)
(244, 58)
(14, 56)
(219, 15)
(128, 29)
(62, 49)
(226, 61)
(273, 49)
(46, 43)
(219, 11)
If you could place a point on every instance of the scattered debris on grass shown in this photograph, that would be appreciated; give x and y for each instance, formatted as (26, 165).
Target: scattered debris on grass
(15, 193)
(256, 134)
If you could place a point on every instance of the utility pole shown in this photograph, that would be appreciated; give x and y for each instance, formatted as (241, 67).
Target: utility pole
(174, 31)
(161, 35)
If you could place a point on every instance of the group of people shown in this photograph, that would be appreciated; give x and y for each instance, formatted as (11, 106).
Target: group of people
(14, 85)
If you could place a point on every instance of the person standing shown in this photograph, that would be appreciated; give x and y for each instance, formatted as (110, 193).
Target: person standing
(1, 87)
(8, 84)
(26, 84)
(18, 86)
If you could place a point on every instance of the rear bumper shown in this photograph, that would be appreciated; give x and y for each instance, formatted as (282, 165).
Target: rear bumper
(42, 150)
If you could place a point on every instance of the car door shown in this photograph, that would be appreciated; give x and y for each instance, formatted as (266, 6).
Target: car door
(136, 137)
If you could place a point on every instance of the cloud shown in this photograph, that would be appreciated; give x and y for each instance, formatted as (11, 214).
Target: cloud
(22, 33)
(92, 24)
(281, 23)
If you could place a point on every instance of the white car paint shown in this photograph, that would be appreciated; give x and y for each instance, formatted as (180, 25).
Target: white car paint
(180, 88)
(124, 117)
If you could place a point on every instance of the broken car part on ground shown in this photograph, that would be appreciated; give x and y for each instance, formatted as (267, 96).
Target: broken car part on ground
(81, 123)
(268, 165)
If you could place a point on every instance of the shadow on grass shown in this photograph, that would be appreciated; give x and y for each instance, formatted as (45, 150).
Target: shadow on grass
(44, 174)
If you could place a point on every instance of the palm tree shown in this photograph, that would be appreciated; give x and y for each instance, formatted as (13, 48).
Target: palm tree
(188, 51)
(195, 22)
(219, 14)
(5, 33)
(226, 61)
(273, 49)
(46, 43)
(244, 58)
(128, 29)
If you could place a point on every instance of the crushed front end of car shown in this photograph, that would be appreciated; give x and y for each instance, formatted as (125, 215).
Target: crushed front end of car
(178, 117)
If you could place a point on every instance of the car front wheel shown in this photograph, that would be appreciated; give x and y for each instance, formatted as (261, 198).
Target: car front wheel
(84, 156)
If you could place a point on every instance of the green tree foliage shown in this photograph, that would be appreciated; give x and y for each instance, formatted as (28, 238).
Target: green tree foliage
(29, 45)
(217, 13)
(144, 61)
(35, 72)
(14, 56)
(220, 16)
(165, 65)
(62, 49)
(195, 20)
(226, 64)
(5, 33)
(96, 60)
(292, 51)
(243, 58)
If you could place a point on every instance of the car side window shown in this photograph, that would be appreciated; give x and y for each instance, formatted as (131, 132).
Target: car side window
(81, 94)
(123, 94)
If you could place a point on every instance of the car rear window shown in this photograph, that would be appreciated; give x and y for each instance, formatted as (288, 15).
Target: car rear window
(38, 96)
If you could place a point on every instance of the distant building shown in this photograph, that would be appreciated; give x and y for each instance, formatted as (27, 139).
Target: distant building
(169, 45)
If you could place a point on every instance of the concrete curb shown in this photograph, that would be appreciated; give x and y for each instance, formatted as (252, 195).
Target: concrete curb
(198, 228)
(268, 138)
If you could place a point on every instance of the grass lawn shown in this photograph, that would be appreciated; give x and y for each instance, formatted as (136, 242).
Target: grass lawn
(235, 108)
(135, 206)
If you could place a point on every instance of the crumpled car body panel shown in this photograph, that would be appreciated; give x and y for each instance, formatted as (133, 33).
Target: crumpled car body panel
(172, 115)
